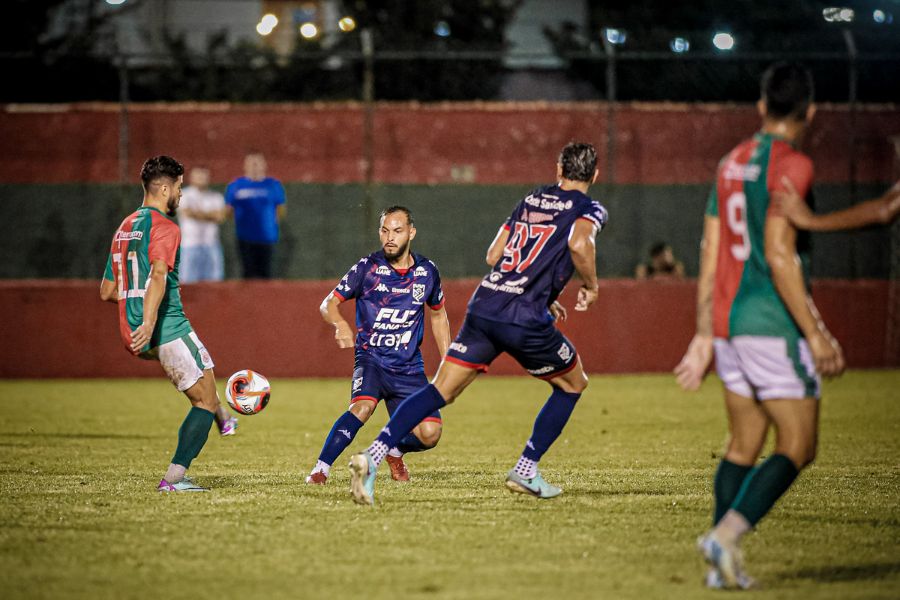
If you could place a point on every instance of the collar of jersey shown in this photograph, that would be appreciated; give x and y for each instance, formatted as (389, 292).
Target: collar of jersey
(381, 259)
(762, 134)
(157, 210)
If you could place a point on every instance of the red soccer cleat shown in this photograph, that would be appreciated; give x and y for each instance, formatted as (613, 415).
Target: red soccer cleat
(317, 478)
(398, 469)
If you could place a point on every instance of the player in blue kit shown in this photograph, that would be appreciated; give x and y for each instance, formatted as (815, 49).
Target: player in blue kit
(549, 235)
(391, 288)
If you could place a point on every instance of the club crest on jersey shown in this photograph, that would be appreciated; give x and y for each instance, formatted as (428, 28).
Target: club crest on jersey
(382, 270)
(418, 291)
(420, 272)
(564, 352)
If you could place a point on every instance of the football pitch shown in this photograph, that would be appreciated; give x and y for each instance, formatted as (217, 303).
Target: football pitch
(80, 517)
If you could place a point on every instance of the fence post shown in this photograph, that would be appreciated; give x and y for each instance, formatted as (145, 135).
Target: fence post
(610, 51)
(368, 51)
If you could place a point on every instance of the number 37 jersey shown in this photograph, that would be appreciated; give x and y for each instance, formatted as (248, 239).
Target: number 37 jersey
(536, 263)
(745, 301)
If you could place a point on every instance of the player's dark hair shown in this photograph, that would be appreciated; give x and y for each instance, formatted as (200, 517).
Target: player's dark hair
(787, 90)
(658, 248)
(158, 167)
(579, 161)
(395, 209)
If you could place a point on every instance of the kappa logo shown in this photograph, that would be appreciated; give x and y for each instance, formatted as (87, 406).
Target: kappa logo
(418, 291)
(382, 270)
(529, 444)
(564, 352)
(357, 383)
(381, 288)
(420, 272)
(346, 433)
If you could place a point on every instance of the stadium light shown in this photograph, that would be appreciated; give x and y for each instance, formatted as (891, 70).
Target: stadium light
(615, 36)
(115, 2)
(679, 45)
(838, 14)
(347, 24)
(723, 41)
(442, 29)
(309, 30)
(267, 24)
(881, 17)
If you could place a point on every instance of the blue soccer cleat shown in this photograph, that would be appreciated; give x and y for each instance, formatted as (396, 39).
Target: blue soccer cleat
(726, 560)
(362, 478)
(536, 486)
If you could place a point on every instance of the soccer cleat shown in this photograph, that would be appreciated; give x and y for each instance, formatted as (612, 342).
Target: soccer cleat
(725, 558)
(362, 478)
(229, 427)
(317, 478)
(399, 472)
(715, 581)
(185, 485)
(536, 486)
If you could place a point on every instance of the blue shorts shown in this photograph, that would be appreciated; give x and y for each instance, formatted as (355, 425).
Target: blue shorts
(373, 382)
(543, 351)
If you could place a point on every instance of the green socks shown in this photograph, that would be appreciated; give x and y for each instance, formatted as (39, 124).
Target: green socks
(726, 485)
(192, 435)
(764, 486)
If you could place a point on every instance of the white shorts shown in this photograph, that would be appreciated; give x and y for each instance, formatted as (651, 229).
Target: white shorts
(183, 360)
(765, 367)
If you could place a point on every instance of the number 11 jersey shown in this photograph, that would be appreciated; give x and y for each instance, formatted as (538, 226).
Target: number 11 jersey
(536, 263)
(745, 301)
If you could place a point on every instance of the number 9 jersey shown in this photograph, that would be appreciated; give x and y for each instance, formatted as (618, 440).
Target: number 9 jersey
(745, 301)
(536, 262)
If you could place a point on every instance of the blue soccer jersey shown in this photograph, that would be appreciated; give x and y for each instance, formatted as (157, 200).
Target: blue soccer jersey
(390, 319)
(536, 263)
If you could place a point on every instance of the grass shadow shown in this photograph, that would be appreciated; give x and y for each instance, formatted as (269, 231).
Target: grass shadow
(840, 573)
(81, 436)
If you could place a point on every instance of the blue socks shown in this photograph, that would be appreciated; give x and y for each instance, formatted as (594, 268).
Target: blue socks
(549, 423)
(340, 436)
(410, 413)
(411, 444)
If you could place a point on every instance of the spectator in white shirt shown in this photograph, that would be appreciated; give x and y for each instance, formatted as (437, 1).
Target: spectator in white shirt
(200, 213)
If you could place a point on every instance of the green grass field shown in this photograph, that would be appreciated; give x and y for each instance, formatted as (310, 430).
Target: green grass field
(80, 517)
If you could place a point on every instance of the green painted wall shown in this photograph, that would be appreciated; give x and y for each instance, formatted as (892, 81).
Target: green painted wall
(65, 230)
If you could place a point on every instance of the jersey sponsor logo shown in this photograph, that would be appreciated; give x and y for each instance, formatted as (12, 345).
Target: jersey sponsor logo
(123, 236)
(546, 203)
(418, 291)
(420, 272)
(390, 340)
(395, 316)
(244, 193)
(357, 383)
(564, 352)
(461, 348)
(400, 290)
(537, 217)
(540, 371)
(504, 288)
(382, 288)
(382, 270)
(739, 172)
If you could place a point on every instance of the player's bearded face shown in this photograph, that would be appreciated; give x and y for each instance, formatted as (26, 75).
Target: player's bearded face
(395, 235)
(174, 198)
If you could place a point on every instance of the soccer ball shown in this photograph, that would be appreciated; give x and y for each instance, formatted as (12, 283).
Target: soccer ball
(247, 392)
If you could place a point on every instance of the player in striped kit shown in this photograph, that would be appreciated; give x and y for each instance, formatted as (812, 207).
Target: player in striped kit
(755, 313)
(142, 278)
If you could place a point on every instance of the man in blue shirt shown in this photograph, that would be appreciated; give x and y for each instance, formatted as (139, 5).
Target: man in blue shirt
(391, 288)
(258, 204)
(548, 237)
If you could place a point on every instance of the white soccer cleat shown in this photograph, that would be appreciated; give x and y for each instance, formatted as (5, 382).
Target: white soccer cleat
(724, 557)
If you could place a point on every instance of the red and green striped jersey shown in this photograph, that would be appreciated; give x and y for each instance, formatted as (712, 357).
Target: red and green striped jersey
(745, 301)
(144, 236)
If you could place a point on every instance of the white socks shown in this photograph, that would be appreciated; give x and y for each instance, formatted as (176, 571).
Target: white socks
(526, 468)
(321, 467)
(175, 473)
(395, 453)
(378, 450)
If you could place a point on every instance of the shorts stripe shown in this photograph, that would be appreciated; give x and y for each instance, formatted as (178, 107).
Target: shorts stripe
(195, 351)
(468, 365)
(358, 398)
(433, 420)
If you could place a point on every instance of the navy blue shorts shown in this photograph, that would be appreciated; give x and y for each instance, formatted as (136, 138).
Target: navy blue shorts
(372, 382)
(543, 351)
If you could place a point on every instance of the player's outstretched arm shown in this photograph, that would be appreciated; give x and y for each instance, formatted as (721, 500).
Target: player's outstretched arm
(495, 251)
(781, 255)
(343, 333)
(693, 366)
(440, 328)
(583, 248)
(153, 295)
(879, 211)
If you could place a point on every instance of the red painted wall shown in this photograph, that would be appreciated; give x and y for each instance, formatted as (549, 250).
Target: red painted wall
(62, 329)
(492, 142)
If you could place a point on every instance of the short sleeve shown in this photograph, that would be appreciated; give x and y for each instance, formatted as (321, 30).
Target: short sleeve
(797, 168)
(712, 203)
(350, 284)
(436, 298)
(595, 214)
(165, 237)
(229, 193)
(278, 192)
(108, 272)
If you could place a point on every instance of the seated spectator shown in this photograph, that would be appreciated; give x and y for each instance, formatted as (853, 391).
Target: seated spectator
(662, 264)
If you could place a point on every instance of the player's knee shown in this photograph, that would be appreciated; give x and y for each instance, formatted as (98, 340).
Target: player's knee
(741, 451)
(362, 410)
(429, 434)
(799, 453)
